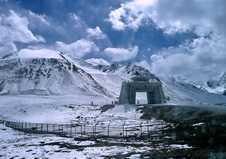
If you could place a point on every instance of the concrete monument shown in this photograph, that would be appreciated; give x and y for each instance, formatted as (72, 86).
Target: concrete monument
(152, 87)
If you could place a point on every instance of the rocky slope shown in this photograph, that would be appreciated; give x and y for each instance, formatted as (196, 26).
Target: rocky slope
(218, 85)
(29, 72)
(176, 92)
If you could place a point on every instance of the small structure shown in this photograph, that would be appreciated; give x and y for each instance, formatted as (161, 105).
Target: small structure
(152, 87)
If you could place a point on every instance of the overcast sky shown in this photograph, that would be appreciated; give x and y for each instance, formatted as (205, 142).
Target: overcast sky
(184, 38)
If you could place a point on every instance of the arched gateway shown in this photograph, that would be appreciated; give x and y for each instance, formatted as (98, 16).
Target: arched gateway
(153, 88)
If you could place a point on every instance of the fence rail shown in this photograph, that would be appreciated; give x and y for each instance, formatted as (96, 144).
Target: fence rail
(96, 130)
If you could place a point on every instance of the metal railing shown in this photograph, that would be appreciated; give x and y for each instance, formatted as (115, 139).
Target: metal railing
(95, 130)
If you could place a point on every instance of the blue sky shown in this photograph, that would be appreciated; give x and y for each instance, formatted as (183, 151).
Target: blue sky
(94, 14)
(158, 31)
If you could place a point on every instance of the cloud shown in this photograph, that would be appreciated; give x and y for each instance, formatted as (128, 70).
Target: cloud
(130, 15)
(7, 48)
(37, 21)
(95, 33)
(15, 28)
(203, 16)
(121, 54)
(202, 59)
(115, 17)
(78, 49)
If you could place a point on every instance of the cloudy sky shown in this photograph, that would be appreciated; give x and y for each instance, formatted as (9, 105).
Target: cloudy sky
(184, 38)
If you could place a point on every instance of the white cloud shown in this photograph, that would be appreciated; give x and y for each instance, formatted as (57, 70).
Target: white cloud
(95, 33)
(78, 48)
(7, 48)
(115, 17)
(179, 15)
(201, 59)
(130, 14)
(77, 23)
(14, 28)
(202, 15)
(144, 3)
(198, 61)
(38, 21)
(38, 18)
(121, 54)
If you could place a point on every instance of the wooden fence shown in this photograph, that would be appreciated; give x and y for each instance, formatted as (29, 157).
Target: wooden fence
(96, 130)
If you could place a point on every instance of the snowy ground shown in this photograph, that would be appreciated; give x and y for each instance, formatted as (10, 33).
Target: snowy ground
(65, 109)
(60, 109)
(17, 145)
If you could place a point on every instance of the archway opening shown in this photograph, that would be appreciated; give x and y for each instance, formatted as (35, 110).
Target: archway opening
(141, 98)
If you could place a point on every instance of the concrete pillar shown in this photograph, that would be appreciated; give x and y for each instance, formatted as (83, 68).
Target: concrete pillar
(132, 97)
(151, 97)
(124, 94)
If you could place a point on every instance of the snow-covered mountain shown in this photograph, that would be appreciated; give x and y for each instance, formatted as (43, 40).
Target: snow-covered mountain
(217, 86)
(177, 92)
(45, 72)
(28, 72)
(97, 61)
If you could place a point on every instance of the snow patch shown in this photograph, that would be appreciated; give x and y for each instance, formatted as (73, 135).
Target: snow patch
(97, 61)
(41, 53)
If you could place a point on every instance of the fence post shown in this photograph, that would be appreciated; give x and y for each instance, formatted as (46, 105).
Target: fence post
(53, 127)
(84, 129)
(148, 130)
(94, 129)
(141, 129)
(25, 126)
(47, 128)
(57, 128)
(19, 125)
(62, 129)
(81, 129)
(36, 125)
(108, 129)
(41, 128)
(71, 129)
(29, 126)
(123, 129)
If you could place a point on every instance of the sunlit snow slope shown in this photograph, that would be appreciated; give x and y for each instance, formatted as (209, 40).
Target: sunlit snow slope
(57, 74)
(45, 72)
(176, 92)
